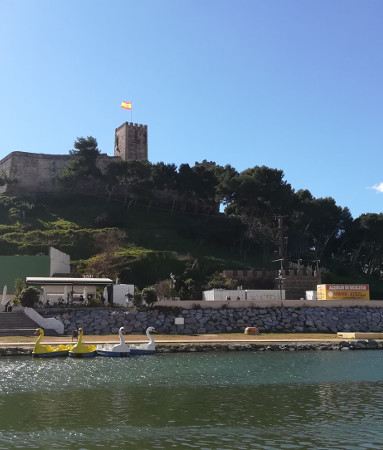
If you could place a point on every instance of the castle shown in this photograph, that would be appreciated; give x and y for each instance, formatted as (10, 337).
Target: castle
(29, 173)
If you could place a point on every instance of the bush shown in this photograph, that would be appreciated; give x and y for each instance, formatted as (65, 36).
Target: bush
(29, 297)
(149, 296)
(137, 299)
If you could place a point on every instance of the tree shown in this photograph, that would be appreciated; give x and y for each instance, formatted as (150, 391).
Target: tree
(222, 174)
(86, 152)
(126, 179)
(316, 225)
(29, 297)
(219, 281)
(164, 176)
(259, 192)
(362, 245)
(137, 299)
(149, 296)
(83, 165)
(19, 287)
(106, 263)
(164, 289)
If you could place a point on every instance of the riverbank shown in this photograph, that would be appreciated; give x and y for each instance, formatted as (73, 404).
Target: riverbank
(15, 346)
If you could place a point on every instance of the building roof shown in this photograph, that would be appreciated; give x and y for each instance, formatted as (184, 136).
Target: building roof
(68, 281)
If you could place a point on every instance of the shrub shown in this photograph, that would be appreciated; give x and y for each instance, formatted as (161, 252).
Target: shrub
(29, 297)
(137, 299)
(149, 296)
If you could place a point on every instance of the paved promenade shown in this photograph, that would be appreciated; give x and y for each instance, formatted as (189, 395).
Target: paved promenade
(21, 341)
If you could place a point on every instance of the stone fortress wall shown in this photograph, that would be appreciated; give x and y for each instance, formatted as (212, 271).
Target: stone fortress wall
(31, 173)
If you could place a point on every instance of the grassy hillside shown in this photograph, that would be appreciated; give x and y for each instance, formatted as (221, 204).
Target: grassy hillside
(139, 244)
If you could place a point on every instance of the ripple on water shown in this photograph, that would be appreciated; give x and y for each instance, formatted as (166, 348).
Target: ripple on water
(244, 400)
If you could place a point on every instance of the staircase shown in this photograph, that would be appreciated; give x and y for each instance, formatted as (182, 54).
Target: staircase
(18, 324)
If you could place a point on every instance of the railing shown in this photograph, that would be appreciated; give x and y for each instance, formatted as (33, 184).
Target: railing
(49, 323)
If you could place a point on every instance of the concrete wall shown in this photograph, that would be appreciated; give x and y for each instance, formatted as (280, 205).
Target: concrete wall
(59, 262)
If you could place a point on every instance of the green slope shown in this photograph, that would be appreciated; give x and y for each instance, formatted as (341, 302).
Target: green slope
(151, 242)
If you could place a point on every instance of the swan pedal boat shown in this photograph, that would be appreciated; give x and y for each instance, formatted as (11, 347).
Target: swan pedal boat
(81, 350)
(123, 350)
(145, 349)
(120, 350)
(49, 351)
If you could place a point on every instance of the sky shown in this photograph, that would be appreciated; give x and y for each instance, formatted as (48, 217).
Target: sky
(293, 85)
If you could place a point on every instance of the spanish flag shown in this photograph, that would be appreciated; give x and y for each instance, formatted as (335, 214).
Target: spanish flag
(126, 105)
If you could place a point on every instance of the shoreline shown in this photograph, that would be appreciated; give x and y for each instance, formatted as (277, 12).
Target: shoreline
(25, 349)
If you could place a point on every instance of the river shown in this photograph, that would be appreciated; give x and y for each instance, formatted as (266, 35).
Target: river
(236, 400)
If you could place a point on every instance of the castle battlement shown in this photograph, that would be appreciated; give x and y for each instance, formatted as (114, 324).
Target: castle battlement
(132, 124)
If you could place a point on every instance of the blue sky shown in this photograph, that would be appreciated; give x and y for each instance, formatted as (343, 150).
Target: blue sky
(295, 85)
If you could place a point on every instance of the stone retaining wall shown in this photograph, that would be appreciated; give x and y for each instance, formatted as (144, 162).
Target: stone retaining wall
(225, 320)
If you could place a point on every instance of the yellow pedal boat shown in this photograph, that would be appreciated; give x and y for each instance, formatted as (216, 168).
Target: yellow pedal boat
(81, 350)
(49, 351)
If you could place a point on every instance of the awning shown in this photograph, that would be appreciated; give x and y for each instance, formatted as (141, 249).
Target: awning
(62, 281)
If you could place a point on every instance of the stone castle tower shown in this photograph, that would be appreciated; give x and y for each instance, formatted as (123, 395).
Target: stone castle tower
(131, 142)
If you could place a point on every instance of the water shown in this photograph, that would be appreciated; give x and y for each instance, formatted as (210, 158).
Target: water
(317, 400)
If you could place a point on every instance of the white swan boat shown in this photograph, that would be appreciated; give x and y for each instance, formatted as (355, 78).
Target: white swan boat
(147, 348)
(119, 350)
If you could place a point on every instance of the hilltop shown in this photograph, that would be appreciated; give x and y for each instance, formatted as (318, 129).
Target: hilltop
(141, 222)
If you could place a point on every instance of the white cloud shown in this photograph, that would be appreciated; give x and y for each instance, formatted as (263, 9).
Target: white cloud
(378, 187)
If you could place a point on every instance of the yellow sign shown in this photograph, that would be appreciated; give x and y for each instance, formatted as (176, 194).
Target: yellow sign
(343, 292)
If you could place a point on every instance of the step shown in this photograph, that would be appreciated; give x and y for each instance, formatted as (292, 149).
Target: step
(17, 331)
(18, 324)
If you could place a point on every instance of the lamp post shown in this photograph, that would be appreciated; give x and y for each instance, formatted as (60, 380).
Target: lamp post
(280, 278)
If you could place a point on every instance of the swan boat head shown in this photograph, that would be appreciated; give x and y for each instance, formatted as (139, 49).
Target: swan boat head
(46, 350)
(121, 349)
(39, 332)
(149, 347)
(82, 349)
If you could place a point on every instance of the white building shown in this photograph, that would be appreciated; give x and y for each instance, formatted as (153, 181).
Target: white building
(123, 294)
(243, 294)
(68, 289)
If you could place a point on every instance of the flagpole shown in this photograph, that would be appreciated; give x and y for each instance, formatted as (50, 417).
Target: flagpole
(128, 105)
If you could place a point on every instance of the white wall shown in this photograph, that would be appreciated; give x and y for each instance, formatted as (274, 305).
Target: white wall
(190, 304)
(59, 261)
(242, 294)
(120, 293)
(49, 323)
